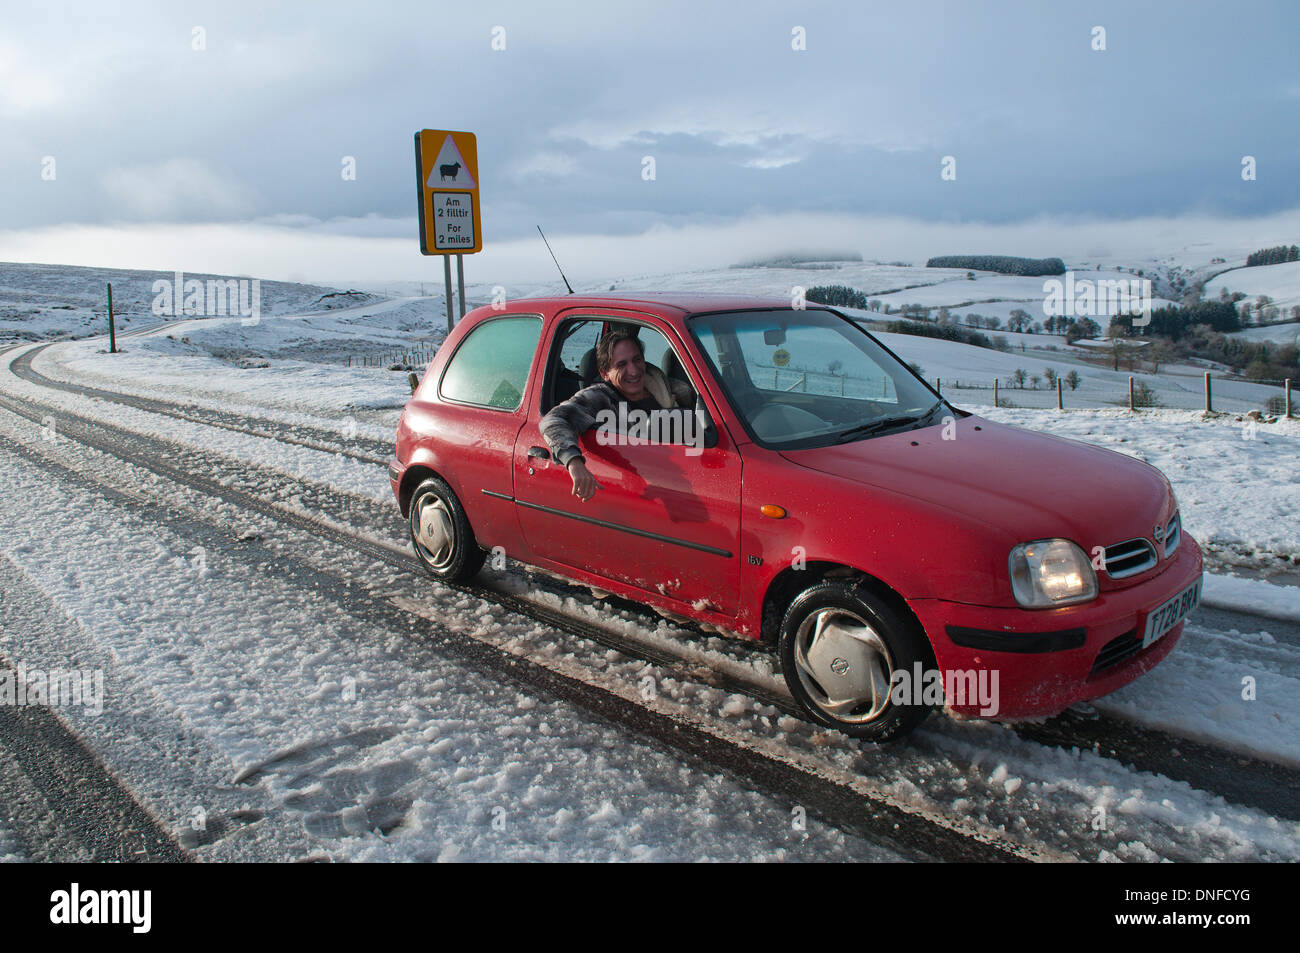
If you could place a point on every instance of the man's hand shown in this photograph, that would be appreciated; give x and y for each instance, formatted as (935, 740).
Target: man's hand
(584, 484)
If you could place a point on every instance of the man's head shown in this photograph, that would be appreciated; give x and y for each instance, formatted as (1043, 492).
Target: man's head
(620, 358)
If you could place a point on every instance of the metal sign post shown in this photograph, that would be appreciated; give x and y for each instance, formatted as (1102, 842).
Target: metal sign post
(460, 282)
(446, 274)
(446, 169)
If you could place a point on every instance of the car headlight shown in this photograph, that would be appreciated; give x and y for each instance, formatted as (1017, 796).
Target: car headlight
(1051, 572)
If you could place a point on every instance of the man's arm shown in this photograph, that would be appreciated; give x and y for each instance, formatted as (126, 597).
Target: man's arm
(569, 419)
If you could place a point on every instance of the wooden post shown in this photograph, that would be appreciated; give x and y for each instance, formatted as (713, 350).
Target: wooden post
(938, 386)
(995, 392)
(112, 331)
(415, 381)
(1288, 398)
(1059, 402)
(1131, 404)
(1209, 402)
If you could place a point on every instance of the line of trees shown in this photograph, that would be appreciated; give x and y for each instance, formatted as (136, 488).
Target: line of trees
(1002, 264)
(1273, 256)
(1175, 321)
(947, 331)
(837, 296)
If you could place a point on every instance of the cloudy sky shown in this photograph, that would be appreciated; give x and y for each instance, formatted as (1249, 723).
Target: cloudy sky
(216, 132)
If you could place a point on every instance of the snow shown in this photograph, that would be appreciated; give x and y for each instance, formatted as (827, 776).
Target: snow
(39, 302)
(434, 748)
(1281, 282)
(1259, 596)
(340, 727)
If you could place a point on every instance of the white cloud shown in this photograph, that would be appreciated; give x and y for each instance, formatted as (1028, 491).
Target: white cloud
(25, 87)
(771, 162)
(543, 165)
(175, 188)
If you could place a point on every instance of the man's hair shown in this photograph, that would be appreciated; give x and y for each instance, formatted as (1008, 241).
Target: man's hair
(605, 347)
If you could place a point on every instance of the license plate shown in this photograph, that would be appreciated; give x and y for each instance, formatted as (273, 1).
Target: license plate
(1160, 620)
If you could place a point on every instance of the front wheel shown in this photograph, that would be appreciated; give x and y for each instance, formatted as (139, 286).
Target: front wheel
(441, 534)
(840, 646)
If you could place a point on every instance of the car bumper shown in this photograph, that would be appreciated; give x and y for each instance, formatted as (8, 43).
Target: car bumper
(395, 470)
(1043, 661)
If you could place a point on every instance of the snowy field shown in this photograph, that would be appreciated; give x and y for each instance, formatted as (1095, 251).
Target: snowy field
(41, 302)
(1281, 282)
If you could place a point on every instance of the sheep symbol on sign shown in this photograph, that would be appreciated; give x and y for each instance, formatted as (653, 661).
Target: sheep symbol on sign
(449, 171)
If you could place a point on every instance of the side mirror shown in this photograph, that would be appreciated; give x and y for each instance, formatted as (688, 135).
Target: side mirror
(774, 337)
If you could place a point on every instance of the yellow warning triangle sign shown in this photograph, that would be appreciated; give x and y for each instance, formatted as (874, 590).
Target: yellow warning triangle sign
(450, 168)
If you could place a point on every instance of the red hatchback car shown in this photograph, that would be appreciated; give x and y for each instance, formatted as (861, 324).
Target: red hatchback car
(900, 553)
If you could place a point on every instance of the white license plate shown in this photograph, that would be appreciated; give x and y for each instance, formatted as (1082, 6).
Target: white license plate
(1160, 620)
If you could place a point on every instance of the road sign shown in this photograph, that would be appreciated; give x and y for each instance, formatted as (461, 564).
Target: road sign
(446, 167)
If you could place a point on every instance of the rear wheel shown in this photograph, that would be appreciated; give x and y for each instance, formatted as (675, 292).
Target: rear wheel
(840, 646)
(441, 534)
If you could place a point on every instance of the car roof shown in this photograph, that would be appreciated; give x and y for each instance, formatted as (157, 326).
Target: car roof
(686, 302)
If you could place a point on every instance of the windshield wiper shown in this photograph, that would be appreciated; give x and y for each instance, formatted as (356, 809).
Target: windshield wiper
(884, 423)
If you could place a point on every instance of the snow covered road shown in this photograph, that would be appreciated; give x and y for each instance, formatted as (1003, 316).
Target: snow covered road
(254, 660)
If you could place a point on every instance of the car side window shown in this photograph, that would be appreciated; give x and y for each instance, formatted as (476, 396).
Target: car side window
(490, 367)
(580, 338)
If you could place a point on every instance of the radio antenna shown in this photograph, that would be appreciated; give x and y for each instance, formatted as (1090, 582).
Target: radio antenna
(554, 259)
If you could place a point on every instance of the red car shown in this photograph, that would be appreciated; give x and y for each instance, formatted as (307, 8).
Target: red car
(901, 553)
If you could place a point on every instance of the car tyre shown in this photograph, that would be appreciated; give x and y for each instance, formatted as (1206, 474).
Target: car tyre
(440, 533)
(839, 647)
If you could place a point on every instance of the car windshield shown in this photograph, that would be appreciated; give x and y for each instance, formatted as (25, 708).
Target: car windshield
(809, 378)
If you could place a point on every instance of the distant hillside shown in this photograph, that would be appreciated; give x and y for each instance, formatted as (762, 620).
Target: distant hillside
(801, 259)
(1002, 264)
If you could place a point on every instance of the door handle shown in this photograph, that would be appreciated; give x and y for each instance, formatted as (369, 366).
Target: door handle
(540, 452)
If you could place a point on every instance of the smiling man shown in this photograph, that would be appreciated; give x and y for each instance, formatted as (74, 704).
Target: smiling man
(626, 379)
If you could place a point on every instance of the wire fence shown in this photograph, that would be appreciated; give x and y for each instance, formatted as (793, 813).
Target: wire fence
(415, 358)
(1178, 392)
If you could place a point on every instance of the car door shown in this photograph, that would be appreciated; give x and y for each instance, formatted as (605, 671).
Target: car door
(667, 516)
(469, 436)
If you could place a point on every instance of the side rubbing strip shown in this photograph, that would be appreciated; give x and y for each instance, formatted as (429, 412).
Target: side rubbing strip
(701, 547)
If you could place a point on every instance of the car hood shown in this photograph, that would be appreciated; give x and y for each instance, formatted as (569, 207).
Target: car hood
(1030, 485)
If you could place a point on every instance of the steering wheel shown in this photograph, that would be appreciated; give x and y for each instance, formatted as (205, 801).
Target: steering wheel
(783, 420)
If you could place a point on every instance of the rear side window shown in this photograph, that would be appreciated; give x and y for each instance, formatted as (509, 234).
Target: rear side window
(490, 368)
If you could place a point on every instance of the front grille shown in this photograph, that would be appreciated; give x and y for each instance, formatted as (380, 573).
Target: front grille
(1129, 558)
(1117, 651)
(1173, 533)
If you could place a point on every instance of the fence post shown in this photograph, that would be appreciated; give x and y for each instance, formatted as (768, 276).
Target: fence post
(1288, 398)
(995, 392)
(1209, 402)
(112, 331)
(1131, 404)
(1059, 404)
(938, 386)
